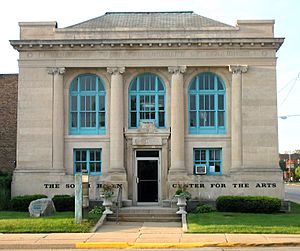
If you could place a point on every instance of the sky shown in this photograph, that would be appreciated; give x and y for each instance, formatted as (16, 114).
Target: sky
(285, 12)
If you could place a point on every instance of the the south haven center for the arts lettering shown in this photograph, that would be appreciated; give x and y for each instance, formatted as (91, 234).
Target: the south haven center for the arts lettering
(150, 102)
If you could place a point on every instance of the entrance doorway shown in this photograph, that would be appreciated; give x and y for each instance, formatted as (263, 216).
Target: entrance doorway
(147, 176)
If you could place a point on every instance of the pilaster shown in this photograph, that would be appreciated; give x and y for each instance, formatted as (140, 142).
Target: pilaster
(236, 116)
(57, 118)
(116, 121)
(177, 120)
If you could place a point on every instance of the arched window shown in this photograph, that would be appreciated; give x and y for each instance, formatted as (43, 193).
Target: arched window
(147, 101)
(87, 105)
(207, 96)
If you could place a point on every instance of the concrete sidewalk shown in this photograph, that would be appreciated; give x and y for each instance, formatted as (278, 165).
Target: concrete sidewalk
(142, 235)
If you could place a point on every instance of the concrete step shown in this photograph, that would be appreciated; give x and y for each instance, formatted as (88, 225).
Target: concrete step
(147, 210)
(144, 219)
(148, 214)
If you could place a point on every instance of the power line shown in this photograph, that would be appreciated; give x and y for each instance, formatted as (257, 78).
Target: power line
(292, 87)
(288, 83)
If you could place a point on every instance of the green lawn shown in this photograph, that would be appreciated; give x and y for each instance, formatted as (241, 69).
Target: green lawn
(20, 222)
(218, 222)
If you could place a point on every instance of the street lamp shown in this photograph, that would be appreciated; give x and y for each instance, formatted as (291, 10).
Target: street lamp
(287, 116)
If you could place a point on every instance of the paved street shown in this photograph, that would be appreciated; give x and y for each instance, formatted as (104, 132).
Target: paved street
(292, 193)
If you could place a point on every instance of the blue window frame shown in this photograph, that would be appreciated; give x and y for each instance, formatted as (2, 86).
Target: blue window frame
(88, 160)
(211, 158)
(87, 105)
(207, 102)
(147, 101)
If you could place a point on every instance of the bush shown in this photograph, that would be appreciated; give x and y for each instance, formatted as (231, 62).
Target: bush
(204, 208)
(96, 213)
(21, 203)
(5, 181)
(297, 172)
(248, 204)
(64, 203)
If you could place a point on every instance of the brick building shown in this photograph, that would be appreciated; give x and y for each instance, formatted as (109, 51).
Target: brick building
(8, 121)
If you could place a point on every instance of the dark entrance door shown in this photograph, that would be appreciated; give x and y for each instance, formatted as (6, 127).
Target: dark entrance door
(147, 174)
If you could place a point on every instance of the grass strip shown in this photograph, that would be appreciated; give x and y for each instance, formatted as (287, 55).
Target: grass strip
(61, 222)
(220, 222)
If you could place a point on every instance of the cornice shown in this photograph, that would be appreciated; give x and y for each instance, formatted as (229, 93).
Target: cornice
(205, 43)
(149, 29)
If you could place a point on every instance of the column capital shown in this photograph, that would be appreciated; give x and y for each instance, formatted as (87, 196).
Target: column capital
(115, 70)
(56, 70)
(177, 69)
(238, 69)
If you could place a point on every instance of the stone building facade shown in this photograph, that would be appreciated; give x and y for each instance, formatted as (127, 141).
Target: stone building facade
(8, 121)
(148, 101)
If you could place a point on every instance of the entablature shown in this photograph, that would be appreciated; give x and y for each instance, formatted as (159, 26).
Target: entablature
(203, 43)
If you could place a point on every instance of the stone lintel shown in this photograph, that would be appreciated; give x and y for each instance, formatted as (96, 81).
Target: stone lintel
(147, 141)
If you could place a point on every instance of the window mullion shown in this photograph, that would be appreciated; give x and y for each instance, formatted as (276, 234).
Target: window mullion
(79, 106)
(100, 161)
(207, 160)
(88, 161)
(137, 110)
(156, 110)
(221, 161)
(74, 161)
(97, 110)
(197, 112)
(129, 109)
(216, 107)
(78, 112)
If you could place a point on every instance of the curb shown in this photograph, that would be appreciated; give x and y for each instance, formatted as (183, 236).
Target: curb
(99, 223)
(129, 245)
(296, 184)
(184, 223)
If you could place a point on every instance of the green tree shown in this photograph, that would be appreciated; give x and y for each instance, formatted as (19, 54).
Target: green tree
(282, 165)
(297, 172)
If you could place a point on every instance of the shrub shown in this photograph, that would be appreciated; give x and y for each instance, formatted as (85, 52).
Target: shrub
(96, 212)
(204, 208)
(248, 204)
(107, 191)
(297, 172)
(5, 181)
(64, 203)
(21, 203)
(181, 191)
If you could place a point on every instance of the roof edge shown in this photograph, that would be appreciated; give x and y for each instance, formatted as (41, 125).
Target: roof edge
(148, 12)
(43, 23)
(256, 21)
